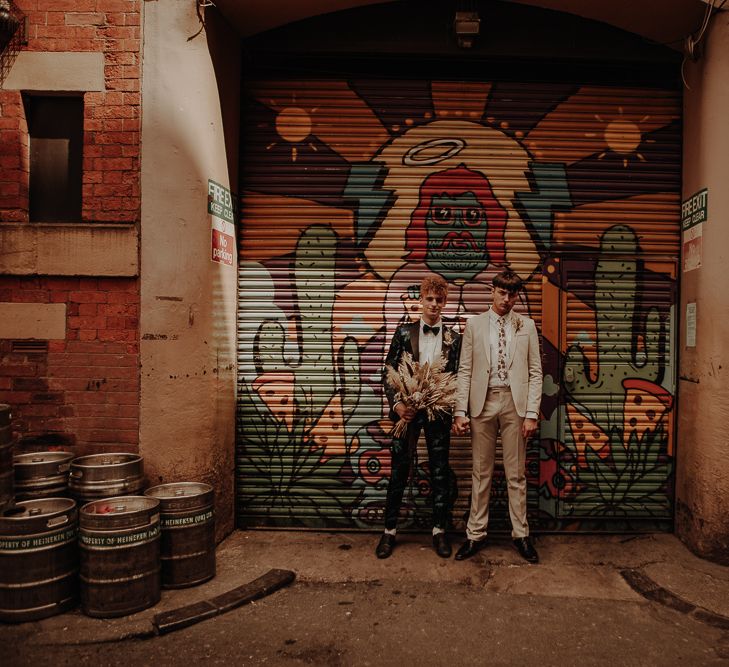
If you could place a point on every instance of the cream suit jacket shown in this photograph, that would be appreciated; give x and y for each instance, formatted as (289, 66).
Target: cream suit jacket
(524, 367)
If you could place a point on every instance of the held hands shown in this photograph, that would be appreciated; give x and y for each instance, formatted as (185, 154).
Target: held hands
(405, 413)
(461, 425)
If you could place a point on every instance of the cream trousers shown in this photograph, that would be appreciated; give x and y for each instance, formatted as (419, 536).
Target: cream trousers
(499, 415)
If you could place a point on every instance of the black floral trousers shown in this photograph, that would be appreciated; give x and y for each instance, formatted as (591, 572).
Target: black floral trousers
(442, 480)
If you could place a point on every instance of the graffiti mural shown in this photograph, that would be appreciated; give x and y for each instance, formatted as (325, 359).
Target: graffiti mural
(353, 191)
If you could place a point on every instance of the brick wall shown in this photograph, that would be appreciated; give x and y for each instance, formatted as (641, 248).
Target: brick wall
(14, 158)
(111, 118)
(81, 392)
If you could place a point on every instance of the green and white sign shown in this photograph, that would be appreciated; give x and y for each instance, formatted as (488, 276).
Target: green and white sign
(694, 212)
(220, 202)
(221, 207)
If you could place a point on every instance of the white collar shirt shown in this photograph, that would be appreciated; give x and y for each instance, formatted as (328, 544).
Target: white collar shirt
(430, 344)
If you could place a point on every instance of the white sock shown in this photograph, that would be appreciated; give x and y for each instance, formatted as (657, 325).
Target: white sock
(438, 531)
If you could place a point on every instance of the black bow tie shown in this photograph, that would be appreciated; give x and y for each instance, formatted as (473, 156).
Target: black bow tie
(427, 329)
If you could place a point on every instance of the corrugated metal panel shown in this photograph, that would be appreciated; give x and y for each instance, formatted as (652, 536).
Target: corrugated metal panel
(338, 182)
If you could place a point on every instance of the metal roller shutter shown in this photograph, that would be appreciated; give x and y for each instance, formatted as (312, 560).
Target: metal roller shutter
(579, 188)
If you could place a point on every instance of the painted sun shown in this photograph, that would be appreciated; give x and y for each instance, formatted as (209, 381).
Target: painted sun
(622, 136)
(294, 124)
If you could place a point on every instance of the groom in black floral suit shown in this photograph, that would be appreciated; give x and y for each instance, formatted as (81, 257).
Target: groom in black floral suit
(426, 340)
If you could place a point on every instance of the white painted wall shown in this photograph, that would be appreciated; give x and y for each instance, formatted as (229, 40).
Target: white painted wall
(188, 302)
(702, 485)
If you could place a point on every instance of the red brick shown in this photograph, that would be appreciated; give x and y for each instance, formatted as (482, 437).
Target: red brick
(123, 6)
(98, 322)
(107, 423)
(84, 397)
(70, 5)
(48, 398)
(115, 348)
(123, 84)
(102, 360)
(54, 19)
(87, 334)
(88, 283)
(121, 386)
(65, 359)
(116, 335)
(122, 58)
(72, 384)
(35, 409)
(9, 162)
(101, 410)
(88, 310)
(128, 411)
(113, 163)
(115, 18)
(18, 371)
(58, 297)
(118, 284)
(31, 296)
(29, 384)
(115, 322)
(15, 397)
(84, 18)
(118, 372)
(84, 347)
(68, 371)
(82, 44)
(88, 297)
(13, 216)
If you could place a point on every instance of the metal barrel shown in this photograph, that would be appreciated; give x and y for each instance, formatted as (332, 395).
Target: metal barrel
(6, 457)
(187, 519)
(101, 476)
(41, 475)
(38, 559)
(120, 564)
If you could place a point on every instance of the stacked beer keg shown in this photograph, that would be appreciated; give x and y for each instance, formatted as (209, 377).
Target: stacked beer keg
(114, 552)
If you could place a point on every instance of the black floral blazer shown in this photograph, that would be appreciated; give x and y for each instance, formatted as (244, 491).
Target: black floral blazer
(406, 339)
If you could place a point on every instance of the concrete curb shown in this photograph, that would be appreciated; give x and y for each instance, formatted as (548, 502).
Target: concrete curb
(183, 617)
(649, 589)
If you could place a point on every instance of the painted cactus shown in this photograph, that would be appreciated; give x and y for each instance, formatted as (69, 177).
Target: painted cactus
(619, 357)
(303, 404)
(616, 408)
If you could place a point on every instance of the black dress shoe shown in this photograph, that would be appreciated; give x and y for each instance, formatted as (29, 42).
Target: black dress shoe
(470, 548)
(441, 545)
(525, 547)
(385, 546)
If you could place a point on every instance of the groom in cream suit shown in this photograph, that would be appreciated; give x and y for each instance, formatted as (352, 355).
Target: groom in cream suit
(499, 388)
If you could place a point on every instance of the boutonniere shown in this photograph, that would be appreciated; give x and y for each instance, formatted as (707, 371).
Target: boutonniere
(518, 322)
(447, 337)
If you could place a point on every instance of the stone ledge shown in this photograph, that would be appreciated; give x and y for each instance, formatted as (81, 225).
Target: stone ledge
(57, 71)
(67, 249)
